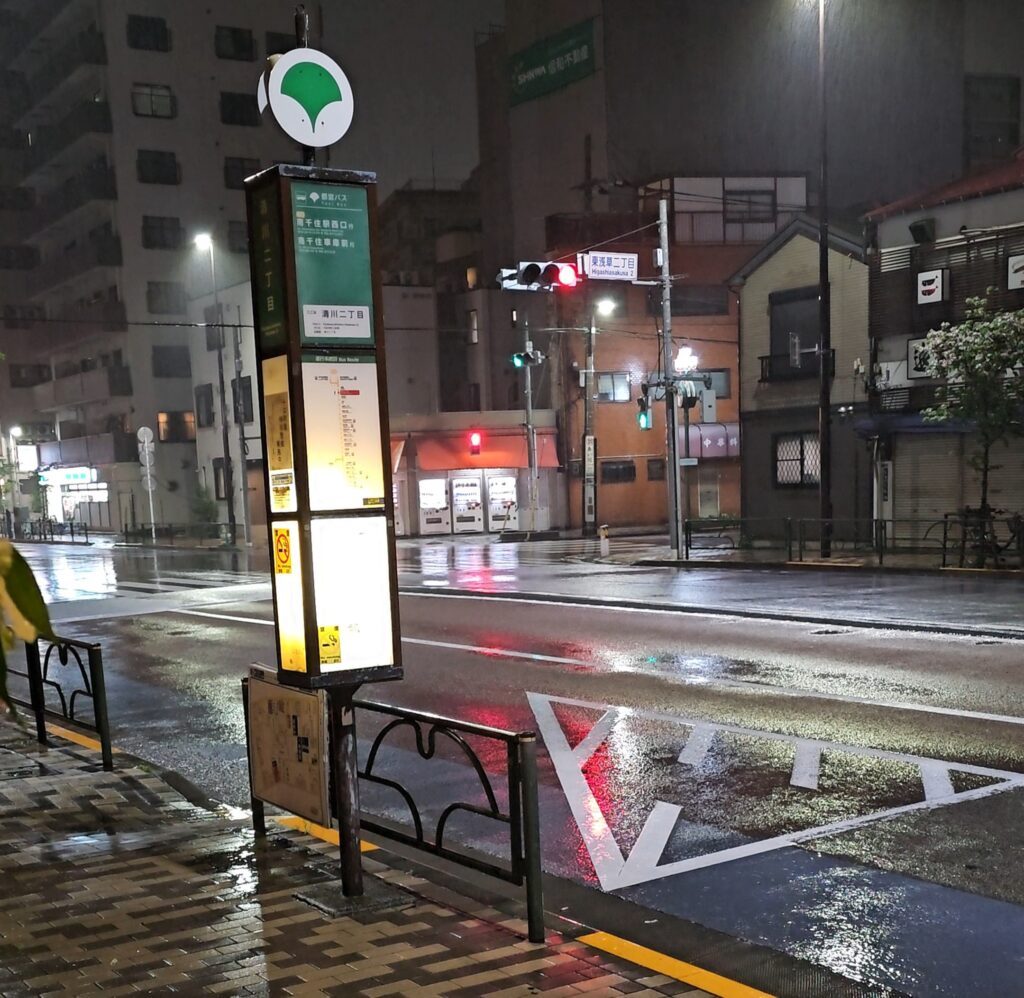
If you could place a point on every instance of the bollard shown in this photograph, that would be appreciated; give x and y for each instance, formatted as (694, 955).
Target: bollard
(606, 544)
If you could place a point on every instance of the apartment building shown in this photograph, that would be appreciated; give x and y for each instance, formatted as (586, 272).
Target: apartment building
(126, 128)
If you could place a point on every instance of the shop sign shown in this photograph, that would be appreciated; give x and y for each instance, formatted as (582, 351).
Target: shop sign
(552, 63)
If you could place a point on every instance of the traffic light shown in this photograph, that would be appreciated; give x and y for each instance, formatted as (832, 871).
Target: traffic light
(528, 358)
(644, 416)
(476, 438)
(540, 275)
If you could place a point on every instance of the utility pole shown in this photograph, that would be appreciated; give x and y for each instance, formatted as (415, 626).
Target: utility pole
(531, 442)
(671, 425)
(589, 510)
(240, 425)
(229, 477)
(824, 313)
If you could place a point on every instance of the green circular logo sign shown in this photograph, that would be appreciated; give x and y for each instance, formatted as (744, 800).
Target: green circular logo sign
(309, 95)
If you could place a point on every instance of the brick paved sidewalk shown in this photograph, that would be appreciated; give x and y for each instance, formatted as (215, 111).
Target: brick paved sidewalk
(112, 883)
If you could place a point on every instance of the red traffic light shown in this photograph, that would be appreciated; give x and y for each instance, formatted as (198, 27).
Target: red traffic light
(475, 440)
(568, 276)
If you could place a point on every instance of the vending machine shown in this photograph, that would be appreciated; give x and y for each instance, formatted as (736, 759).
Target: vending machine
(435, 513)
(502, 503)
(467, 505)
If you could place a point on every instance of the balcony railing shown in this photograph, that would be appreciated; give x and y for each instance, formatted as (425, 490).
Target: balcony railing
(95, 184)
(83, 388)
(779, 367)
(103, 252)
(85, 49)
(87, 117)
(908, 398)
(97, 448)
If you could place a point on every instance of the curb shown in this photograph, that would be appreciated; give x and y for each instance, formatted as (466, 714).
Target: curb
(824, 566)
(923, 627)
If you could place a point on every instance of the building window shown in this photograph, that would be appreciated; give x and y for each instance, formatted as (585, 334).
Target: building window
(155, 166)
(176, 427)
(616, 472)
(149, 33)
(473, 321)
(794, 316)
(171, 362)
(29, 375)
(214, 328)
(219, 489)
(246, 400)
(721, 382)
(238, 237)
(204, 405)
(613, 387)
(234, 43)
(279, 42)
(236, 169)
(239, 109)
(655, 469)
(162, 232)
(165, 298)
(991, 118)
(797, 460)
(750, 206)
(153, 100)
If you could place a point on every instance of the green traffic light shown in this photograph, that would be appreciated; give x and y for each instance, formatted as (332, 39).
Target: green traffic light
(644, 420)
(517, 360)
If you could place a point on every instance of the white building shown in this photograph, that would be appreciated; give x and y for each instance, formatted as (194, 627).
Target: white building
(125, 129)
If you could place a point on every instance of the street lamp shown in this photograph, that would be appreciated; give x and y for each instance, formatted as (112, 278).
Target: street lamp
(204, 243)
(824, 312)
(604, 307)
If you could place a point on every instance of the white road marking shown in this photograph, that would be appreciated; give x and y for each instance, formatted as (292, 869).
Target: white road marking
(616, 871)
(807, 766)
(697, 745)
(597, 734)
(739, 684)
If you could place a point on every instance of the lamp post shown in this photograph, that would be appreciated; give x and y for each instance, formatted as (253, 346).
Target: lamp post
(203, 241)
(605, 307)
(14, 435)
(824, 312)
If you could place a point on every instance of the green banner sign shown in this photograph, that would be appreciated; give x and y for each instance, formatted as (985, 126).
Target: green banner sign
(553, 62)
(269, 292)
(330, 225)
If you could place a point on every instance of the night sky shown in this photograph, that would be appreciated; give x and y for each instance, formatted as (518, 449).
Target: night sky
(411, 65)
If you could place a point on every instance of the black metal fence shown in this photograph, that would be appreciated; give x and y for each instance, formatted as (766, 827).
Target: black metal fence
(520, 814)
(61, 674)
(964, 539)
(48, 529)
(177, 533)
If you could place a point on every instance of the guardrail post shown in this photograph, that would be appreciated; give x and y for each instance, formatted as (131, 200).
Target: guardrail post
(531, 837)
(789, 537)
(687, 540)
(99, 704)
(37, 694)
(259, 819)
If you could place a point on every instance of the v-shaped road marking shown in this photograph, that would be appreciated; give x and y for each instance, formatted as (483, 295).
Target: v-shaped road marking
(616, 871)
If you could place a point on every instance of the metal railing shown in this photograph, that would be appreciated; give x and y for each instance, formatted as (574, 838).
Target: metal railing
(961, 539)
(176, 533)
(48, 529)
(521, 815)
(60, 670)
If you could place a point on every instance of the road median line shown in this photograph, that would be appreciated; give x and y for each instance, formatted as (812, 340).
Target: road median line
(669, 966)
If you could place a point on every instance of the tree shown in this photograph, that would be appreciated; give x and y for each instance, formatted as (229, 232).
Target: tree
(981, 364)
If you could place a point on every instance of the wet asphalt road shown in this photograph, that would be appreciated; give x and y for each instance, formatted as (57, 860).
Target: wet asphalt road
(677, 750)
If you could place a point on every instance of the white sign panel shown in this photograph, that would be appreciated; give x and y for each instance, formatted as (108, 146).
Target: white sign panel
(67, 476)
(1015, 272)
(611, 266)
(346, 465)
(336, 321)
(353, 592)
(917, 358)
(278, 434)
(931, 286)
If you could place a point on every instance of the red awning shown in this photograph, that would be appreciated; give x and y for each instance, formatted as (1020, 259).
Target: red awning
(448, 453)
(397, 447)
(711, 440)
